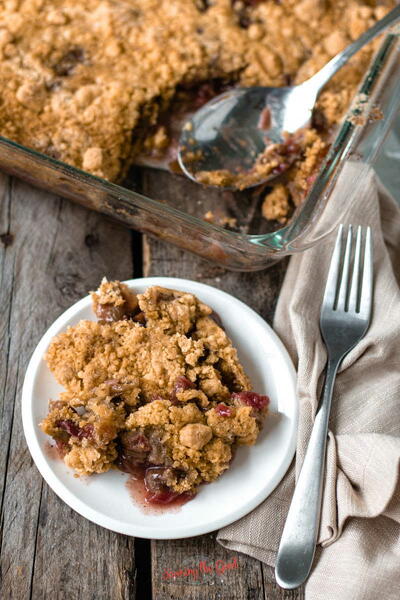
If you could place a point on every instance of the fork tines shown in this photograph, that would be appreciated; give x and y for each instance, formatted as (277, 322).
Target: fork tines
(349, 283)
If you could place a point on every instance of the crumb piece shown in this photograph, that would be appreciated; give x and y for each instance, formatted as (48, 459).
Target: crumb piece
(113, 301)
(222, 220)
(195, 435)
(276, 205)
(92, 159)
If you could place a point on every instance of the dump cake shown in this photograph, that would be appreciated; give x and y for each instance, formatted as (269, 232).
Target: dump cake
(155, 387)
(95, 83)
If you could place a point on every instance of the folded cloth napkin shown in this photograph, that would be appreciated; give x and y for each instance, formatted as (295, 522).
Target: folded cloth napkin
(359, 552)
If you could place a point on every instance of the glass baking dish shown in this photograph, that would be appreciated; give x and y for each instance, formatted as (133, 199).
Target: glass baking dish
(247, 249)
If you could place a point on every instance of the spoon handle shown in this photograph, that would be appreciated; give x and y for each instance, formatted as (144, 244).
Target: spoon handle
(317, 81)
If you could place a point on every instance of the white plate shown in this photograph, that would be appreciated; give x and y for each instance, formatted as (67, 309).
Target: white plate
(256, 470)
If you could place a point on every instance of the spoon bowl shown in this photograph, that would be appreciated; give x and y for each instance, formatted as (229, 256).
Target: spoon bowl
(233, 129)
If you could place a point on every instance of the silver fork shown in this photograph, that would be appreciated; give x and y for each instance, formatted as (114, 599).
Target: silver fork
(345, 317)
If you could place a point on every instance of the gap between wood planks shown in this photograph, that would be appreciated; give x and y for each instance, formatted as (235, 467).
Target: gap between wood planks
(142, 547)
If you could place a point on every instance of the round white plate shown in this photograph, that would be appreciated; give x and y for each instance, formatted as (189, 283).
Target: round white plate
(255, 471)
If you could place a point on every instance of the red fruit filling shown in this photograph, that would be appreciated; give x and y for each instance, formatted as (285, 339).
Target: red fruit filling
(133, 451)
(73, 428)
(136, 453)
(157, 489)
(158, 492)
(182, 383)
(62, 448)
(252, 399)
(223, 410)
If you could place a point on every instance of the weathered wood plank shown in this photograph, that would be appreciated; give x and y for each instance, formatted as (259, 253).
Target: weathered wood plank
(250, 580)
(58, 252)
(273, 592)
(200, 569)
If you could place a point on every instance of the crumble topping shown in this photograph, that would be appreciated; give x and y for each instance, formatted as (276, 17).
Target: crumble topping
(155, 383)
(89, 83)
(276, 204)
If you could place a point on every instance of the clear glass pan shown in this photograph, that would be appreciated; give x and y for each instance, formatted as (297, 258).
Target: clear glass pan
(234, 250)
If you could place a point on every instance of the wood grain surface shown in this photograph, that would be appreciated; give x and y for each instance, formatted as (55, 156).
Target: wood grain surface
(51, 253)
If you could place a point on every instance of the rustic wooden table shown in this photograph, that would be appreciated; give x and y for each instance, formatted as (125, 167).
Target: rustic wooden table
(52, 252)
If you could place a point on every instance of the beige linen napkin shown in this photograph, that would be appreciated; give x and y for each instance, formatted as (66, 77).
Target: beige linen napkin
(360, 526)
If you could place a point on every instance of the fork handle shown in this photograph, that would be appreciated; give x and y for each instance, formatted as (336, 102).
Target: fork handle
(300, 533)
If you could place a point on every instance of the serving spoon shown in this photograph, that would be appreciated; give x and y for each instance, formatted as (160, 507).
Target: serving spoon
(229, 132)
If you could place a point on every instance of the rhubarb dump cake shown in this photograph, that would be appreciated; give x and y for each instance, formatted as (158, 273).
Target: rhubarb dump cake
(154, 387)
(95, 83)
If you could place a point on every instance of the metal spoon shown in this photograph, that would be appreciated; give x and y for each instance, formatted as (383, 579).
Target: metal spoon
(229, 132)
